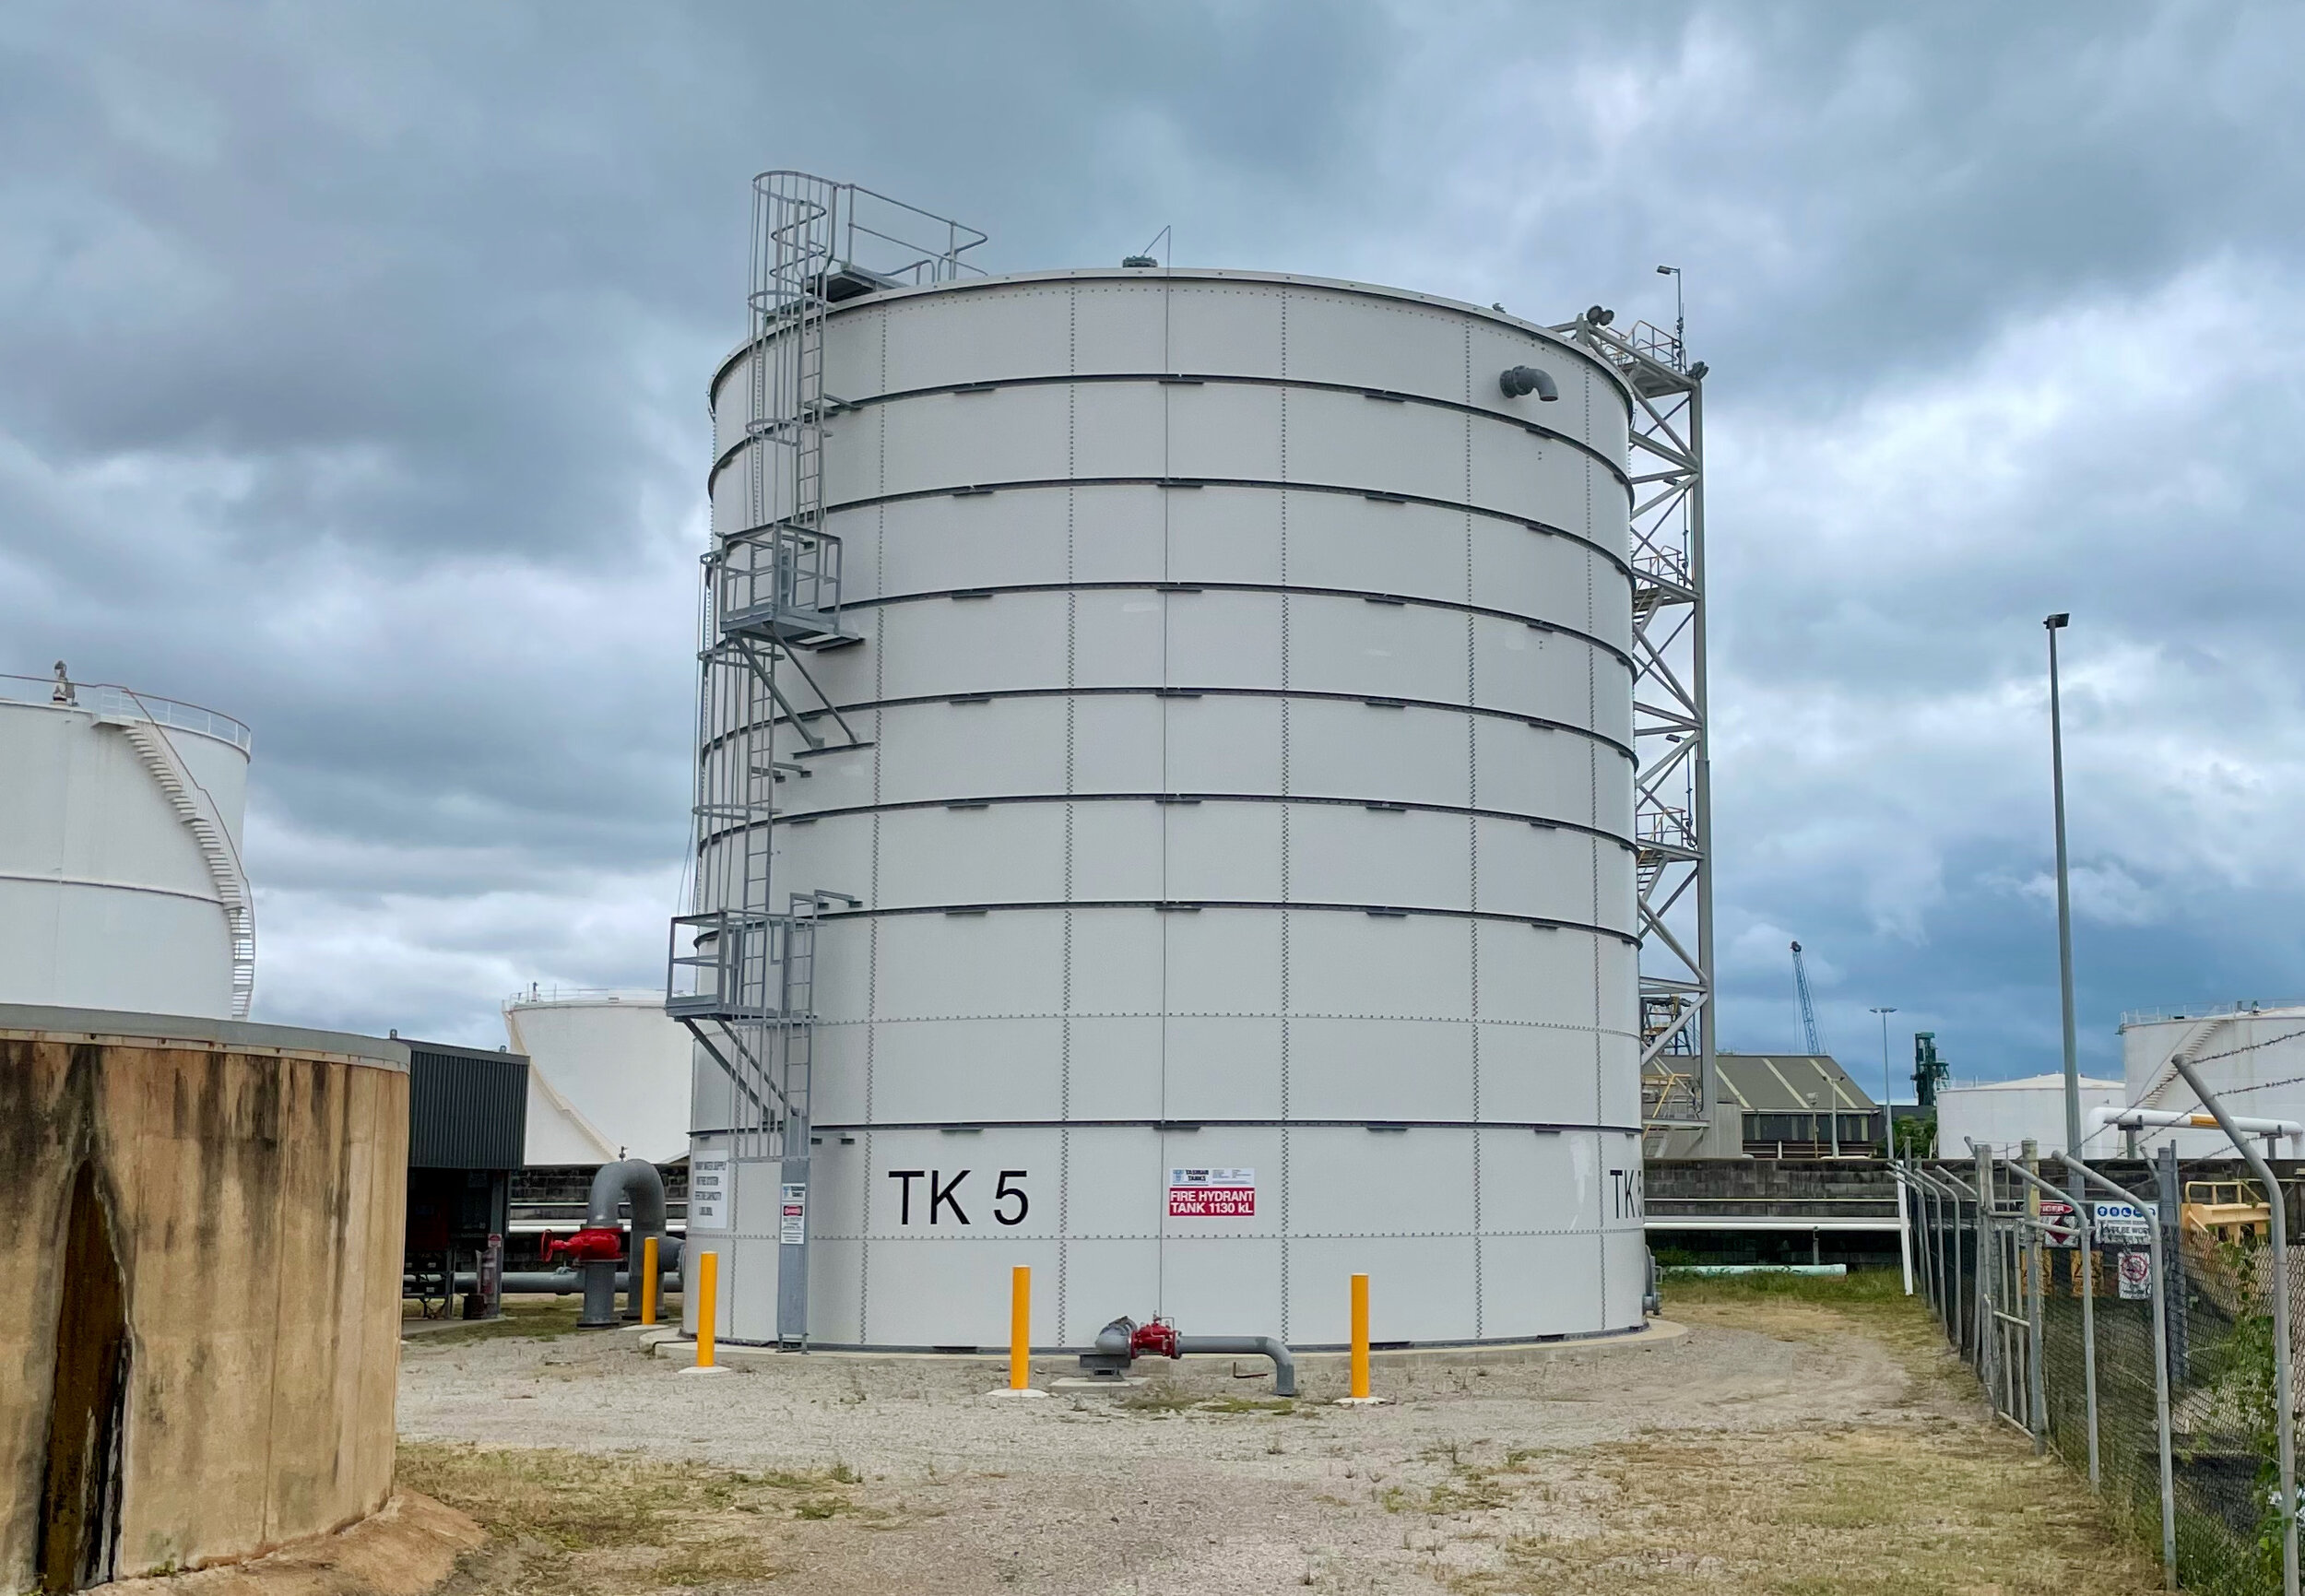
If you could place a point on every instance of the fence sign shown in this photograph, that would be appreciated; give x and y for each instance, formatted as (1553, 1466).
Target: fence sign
(792, 1215)
(2136, 1278)
(1211, 1194)
(2057, 1218)
(2121, 1225)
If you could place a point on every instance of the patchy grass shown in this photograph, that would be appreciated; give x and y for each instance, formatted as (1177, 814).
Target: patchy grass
(1951, 1510)
(1810, 1307)
(546, 1319)
(584, 1523)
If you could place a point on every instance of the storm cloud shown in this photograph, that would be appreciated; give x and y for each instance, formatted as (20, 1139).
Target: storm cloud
(351, 381)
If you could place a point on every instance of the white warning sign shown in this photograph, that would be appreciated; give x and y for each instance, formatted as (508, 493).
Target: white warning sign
(1211, 1194)
(2121, 1225)
(2136, 1276)
(792, 1215)
(708, 1191)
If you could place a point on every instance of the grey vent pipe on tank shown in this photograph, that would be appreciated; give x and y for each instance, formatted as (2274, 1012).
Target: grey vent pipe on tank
(1519, 380)
(1119, 1343)
(629, 1179)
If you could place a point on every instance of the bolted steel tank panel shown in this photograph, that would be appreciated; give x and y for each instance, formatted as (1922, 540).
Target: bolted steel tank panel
(1248, 689)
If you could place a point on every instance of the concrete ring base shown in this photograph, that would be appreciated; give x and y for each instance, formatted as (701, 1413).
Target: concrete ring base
(408, 1546)
(669, 1344)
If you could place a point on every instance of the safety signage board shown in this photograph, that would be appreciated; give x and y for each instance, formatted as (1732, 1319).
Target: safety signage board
(2057, 1218)
(708, 1191)
(1211, 1194)
(2136, 1276)
(792, 1215)
(2121, 1225)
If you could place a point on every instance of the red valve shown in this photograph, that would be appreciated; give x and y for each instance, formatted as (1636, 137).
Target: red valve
(592, 1245)
(1156, 1339)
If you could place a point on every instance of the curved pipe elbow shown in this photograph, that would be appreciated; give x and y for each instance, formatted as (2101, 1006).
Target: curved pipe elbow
(1515, 380)
(633, 1178)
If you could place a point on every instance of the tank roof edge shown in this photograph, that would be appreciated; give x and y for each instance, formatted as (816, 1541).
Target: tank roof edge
(45, 1022)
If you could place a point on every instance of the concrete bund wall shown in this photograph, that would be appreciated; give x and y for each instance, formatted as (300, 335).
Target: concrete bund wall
(253, 1182)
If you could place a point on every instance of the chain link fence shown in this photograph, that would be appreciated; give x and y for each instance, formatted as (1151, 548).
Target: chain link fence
(2133, 1338)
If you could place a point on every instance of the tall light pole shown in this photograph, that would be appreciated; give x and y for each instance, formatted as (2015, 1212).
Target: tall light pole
(2055, 624)
(1888, 1115)
(1680, 319)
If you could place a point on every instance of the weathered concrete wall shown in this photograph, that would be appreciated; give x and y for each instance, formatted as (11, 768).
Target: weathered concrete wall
(254, 1181)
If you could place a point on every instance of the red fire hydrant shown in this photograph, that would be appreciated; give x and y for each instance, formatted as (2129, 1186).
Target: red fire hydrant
(594, 1244)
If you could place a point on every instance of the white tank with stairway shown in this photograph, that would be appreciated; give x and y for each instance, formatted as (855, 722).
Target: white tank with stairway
(121, 877)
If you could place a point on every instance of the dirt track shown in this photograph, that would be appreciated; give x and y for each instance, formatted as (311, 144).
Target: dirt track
(1603, 1468)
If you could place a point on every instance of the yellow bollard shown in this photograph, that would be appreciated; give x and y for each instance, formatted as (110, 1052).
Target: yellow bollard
(1360, 1338)
(1019, 1327)
(707, 1305)
(648, 1274)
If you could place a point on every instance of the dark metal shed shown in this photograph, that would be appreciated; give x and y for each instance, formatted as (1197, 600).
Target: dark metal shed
(467, 1129)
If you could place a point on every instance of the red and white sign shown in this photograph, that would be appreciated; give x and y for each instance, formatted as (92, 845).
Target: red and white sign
(2057, 1218)
(2136, 1276)
(1211, 1194)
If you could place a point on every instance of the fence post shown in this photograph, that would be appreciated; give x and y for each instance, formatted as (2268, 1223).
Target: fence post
(1988, 1263)
(1904, 1227)
(2284, 1413)
(2087, 1259)
(2160, 1382)
(2037, 1388)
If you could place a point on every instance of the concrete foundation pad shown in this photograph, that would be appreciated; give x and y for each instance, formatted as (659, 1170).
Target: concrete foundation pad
(407, 1548)
(1006, 1395)
(1363, 1401)
(1081, 1385)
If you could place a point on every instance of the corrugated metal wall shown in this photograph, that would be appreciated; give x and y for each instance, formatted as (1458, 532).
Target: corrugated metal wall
(466, 1110)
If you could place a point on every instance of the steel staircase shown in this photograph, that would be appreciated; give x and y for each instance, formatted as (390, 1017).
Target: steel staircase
(194, 807)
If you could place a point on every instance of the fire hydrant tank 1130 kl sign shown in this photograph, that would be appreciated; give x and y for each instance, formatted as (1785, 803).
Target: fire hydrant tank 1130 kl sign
(1212, 1194)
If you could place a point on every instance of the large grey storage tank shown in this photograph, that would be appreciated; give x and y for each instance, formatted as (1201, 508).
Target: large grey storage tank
(1243, 847)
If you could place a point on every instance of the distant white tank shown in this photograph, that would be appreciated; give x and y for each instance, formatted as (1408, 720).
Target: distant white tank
(2005, 1113)
(608, 1075)
(121, 880)
(2251, 1056)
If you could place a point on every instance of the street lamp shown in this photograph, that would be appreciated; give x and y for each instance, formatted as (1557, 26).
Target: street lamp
(1680, 321)
(2054, 624)
(1888, 1115)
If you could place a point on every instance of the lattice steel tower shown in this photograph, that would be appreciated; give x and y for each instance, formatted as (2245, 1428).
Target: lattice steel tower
(1672, 734)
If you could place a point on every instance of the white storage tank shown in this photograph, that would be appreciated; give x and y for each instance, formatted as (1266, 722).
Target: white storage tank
(608, 1075)
(1242, 844)
(2250, 1055)
(2004, 1114)
(121, 880)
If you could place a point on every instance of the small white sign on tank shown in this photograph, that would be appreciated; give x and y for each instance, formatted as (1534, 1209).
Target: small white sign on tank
(708, 1190)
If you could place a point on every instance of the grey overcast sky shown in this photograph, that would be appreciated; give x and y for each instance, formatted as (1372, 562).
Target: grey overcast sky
(351, 381)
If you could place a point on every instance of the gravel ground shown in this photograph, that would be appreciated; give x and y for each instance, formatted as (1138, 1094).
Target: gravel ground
(959, 1493)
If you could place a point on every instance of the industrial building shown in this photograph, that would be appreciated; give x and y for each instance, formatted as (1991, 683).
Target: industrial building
(121, 880)
(468, 1125)
(1779, 1106)
(2004, 1115)
(1167, 780)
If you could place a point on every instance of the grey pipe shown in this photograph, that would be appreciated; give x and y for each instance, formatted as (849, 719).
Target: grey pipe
(560, 1282)
(1283, 1365)
(2284, 1415)
(633, 1179)
(1515, 380)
